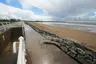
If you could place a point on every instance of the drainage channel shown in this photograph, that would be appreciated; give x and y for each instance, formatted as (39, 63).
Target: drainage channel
(76, 51)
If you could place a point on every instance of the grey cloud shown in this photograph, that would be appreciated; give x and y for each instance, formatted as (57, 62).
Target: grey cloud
(63, 8)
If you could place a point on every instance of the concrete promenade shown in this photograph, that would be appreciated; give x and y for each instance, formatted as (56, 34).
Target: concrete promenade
(41, 53)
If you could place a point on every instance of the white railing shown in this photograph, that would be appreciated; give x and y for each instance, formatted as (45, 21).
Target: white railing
(21, 51)
(6, 25)
(14, 47)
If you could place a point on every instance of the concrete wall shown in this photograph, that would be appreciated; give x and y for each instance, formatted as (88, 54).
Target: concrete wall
(9, 36)
(16, 33)
(4, 39)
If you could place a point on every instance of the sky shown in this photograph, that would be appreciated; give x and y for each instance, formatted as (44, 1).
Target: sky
(49, 10)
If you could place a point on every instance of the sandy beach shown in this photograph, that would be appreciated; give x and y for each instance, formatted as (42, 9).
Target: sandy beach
(87, 39)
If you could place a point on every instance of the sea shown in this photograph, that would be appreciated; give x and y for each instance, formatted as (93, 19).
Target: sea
(77, 26)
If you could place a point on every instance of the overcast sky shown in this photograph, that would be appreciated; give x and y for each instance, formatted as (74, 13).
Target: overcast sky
(48, 9)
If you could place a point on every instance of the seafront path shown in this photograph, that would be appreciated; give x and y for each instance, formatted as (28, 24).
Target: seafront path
(41, 53)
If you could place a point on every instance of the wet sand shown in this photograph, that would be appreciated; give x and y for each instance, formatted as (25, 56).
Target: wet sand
(41, 53)
(87, 39)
